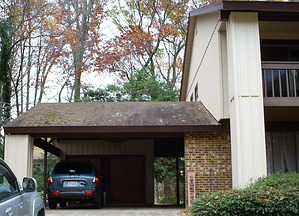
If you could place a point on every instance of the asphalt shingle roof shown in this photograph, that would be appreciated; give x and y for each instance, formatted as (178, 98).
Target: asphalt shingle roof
(115, 114)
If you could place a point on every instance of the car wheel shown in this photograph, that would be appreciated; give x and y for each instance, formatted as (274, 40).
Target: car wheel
(52, 204)
(62, 204)
(97, 202)
(41, 212)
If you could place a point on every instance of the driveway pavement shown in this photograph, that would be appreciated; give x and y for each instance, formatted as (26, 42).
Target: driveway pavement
(119, 211)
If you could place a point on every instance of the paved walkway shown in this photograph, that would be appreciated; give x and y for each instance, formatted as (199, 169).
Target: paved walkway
(119, 211)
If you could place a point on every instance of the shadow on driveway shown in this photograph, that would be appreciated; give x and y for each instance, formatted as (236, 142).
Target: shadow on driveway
(88, 210)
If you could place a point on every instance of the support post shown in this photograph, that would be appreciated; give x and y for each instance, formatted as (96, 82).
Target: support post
(18, 154)
(177, 181)
(45, 174)
(246, 98)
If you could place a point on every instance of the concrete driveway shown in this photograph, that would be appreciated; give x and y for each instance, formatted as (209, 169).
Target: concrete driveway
(119, 211)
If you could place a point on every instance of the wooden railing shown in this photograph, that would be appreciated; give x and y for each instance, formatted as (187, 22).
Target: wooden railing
(280, 79)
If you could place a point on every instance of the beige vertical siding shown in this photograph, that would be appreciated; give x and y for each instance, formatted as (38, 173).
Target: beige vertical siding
(246, 98)
(102, 147)
(205, 65)
(18, 154)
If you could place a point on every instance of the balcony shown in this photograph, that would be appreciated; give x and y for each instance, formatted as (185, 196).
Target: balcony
(280, 79)
(281, 90)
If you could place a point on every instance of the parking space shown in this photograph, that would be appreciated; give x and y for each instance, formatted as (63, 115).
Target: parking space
(119, 211)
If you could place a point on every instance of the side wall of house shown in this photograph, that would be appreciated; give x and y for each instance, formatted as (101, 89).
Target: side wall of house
(208, 156)
(205, 65)
(102, 147)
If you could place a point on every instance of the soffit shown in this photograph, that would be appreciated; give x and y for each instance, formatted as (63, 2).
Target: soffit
(278, 26)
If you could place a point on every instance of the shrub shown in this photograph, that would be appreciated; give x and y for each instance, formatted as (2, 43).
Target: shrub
(278, 181)
(277, 194)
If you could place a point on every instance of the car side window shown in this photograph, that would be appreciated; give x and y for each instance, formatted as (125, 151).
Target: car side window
(8, 183)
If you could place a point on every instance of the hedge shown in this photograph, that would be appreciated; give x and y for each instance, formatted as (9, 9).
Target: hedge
(277, 194)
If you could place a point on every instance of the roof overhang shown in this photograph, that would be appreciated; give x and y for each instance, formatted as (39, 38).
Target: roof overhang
(109, 131)
(267, 11)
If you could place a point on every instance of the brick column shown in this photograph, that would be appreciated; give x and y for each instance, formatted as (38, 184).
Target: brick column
(208, 154)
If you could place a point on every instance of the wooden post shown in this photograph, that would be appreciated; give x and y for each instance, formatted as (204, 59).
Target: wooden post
(45, 176)
(177, 181)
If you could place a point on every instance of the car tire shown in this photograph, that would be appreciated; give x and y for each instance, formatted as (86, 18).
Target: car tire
(97, 202)
(62, 204)
(52, 204)
(41, 212)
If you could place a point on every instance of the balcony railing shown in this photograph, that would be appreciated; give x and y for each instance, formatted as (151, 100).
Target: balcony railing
(280, 79)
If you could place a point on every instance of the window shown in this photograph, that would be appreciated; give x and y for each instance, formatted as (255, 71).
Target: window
(79, 168)
(191, 98)
(282, 154)
(8, 184)
(280, 50)
(196, 92)
(280, 68)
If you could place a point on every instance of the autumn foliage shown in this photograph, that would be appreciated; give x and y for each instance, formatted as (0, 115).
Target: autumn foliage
(151, 34)
(56, 43)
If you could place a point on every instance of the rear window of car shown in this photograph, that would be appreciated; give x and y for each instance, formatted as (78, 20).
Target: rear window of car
(78, 168)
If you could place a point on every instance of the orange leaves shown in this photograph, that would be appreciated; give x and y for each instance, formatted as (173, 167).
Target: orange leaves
(151, 33)
(134, 41)
(123, 50)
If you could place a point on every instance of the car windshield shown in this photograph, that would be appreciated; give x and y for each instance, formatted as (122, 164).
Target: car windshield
(78, 168)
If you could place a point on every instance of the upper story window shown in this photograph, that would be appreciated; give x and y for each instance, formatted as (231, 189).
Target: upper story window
(196, 92)
(280, 50)
(191, 98)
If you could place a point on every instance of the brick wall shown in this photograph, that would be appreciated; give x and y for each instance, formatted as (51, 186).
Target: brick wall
(208, 155)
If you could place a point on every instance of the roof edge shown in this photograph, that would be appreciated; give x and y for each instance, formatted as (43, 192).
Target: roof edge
(111, 129)
(247, 6)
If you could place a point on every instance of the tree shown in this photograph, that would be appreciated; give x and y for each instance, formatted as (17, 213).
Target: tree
(39, 169)
(141, 86)
(151, 35)
(81, 20)
(55, 42)
(165, 175)
(50, 40)
(27, 18)
(5, 68)
(5, 75)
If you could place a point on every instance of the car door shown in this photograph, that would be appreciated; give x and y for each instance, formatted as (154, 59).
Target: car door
(11, 200)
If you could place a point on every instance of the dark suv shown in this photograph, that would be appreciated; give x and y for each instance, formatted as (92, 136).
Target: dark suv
(74, 181)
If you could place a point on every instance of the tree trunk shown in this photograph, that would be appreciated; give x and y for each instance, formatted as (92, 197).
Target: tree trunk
(167, 191)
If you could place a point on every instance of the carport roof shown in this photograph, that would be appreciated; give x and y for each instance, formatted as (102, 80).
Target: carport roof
(111, 117)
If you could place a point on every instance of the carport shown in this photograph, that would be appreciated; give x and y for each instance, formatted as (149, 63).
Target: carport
(121, 139)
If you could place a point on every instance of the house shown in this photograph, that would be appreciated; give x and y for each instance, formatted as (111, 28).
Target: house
(242, 63)
(237, 120)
